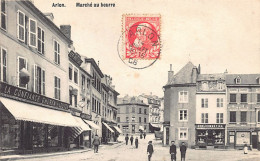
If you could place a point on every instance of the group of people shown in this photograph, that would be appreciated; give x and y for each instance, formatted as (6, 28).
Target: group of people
(131, 140)
(173, 151)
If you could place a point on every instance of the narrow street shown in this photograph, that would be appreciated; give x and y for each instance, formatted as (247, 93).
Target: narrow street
(122, 152)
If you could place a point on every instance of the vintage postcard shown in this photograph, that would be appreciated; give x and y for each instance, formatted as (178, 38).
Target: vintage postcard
(119, 80)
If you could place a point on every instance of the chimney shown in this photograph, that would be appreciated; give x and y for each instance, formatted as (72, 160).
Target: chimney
(194, 74)
(66, 30)
(49, 16)
(170, 74)
(226, 72)
(199, 69)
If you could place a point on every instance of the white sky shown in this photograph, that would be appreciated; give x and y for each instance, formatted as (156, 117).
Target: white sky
(218, 34)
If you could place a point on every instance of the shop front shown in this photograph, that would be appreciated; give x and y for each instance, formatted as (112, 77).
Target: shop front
(107, 133)
(210, 135)
(239, 137)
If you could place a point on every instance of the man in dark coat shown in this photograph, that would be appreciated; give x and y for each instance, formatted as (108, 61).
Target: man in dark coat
(126, 139)
(136, 142)
(183, 149)
(173, 151)
(150, 150)
(144, 135)
(131, 139)
(96, 143)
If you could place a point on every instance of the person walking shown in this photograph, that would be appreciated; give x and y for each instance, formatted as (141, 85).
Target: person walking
(136, 142)
(131, 139)
(141, 135)
(96, 143)
(126, 139)
(183, 149)
(150, 150)
(144, 135)
(173, 151)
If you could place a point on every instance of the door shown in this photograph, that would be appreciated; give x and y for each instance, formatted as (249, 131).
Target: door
(254, 141)
(167, 136)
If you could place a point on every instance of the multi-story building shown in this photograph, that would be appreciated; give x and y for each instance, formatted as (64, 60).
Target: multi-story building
(243, 104)
(211, 110)
(34, 108)
(132, 115)
(180, 105)
(154, 103)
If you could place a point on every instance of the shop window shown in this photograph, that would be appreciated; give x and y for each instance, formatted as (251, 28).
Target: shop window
(3, 14)
(219, 118)
(32, 32)
(183, 115)
(21, 26)
(53, 136)
(243, 116)
(40, 43)
(204, 103)
(233, 98)
(204, 118)
(39, 80)
(243, 98)
(232, 116)
(56, 52)
(22, 66)
(183, 133)
(219, 102)
(3, 64)
(57, 88)
(140, 119)
(183, 97)
(38, 135)
(242, 138)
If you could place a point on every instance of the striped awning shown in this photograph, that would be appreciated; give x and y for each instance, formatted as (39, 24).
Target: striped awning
(92, 124)
(109, 128)
(118, 130)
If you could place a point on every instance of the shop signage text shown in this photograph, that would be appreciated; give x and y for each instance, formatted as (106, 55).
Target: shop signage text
(210, 126)
(15, 92)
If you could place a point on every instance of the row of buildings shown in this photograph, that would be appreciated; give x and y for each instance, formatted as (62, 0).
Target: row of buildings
(212, 110)
(52, 98)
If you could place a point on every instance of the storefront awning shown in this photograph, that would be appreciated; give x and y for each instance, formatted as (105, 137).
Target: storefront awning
(141, 128)
(118, 130)
(156, 125)
(34, 113)
(109, 128)
(92, 124)
(82, 124)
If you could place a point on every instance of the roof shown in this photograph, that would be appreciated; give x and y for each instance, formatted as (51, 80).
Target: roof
(216, 76)
(45, 19)
(150, 96)
(128, 100)
(246, 79)
(93, 62)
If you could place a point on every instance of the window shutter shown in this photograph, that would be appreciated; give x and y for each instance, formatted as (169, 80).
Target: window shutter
(34, 77)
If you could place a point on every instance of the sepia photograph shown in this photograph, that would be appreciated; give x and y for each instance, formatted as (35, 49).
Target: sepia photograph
(119, 80)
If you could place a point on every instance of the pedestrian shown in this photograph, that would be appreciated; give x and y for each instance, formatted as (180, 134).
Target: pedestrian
(245, 149)
(136, 142)
(96, 143)
(183, 149)
(144, 135)
(173, 151)
(150, 150)
(141, 135)
(126, 139)
(131, 139)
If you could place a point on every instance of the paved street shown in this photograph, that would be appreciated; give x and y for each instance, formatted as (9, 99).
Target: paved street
(121, 152)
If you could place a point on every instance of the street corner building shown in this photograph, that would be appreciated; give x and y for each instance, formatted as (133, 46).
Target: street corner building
(210, 111)
(52, 98)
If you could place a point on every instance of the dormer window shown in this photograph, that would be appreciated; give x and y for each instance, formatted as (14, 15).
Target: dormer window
(204, 85)
(258, 80)
(238, 80)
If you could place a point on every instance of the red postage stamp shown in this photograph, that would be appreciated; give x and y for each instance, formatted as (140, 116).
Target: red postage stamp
(141, 36)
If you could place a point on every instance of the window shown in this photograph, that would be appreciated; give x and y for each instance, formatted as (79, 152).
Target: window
(22, 64)
(183, 97)
(70, 72)
(219, 102)
(140, 110)
(39, 80)
(127, 119)
(232, 116)
(233, 98)
(258, 98)
(219, 118)
(144, 120)
(204, 103)
(144, 111)
(238, 80)
(32, 32)
(243, 116)
(183, 115)
(57, 88)
(220, 85)
(3, 14)
(204, 86)
(21, 26)
(183, 133)
(140, 119)
(244, 98)
(40, 43)
(83, 82)
(56, 52)
(76, 75)
(204, 118)
(133, 109)
(133, 128)
(133, 119)
(88, 83)
(3, 64)
(258, 118)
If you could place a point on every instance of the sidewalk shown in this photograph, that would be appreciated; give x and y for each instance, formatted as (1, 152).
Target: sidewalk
(41, 155)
